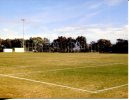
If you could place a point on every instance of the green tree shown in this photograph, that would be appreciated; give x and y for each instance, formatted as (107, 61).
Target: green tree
(104, 45)
(38, 43)
(121, 46)
(83, 43)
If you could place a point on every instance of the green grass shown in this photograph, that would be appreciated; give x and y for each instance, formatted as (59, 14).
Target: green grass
(89, 71)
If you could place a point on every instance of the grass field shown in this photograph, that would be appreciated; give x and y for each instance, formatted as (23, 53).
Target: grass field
(63, 75)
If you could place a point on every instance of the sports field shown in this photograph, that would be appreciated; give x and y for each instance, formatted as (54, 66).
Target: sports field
(63, 75)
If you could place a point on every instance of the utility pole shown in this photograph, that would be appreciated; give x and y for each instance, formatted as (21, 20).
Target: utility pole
(23, 20)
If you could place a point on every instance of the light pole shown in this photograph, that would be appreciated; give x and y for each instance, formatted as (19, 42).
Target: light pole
(23, 20)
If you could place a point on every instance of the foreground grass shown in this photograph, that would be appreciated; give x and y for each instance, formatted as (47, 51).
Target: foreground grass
(99, 71)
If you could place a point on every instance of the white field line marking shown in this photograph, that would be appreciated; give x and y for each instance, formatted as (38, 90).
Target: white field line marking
(64, 69)
(97, 91)
(62, 86)
(47, 83)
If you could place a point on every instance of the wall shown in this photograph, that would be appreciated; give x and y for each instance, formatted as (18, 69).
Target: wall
(18, 49)
(7, 50)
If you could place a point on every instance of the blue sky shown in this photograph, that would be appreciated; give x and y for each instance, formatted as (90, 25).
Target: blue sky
(94, 19)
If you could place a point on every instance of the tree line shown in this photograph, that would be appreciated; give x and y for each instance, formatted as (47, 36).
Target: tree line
(63, 44)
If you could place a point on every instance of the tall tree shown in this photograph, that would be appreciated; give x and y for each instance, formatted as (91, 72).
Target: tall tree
(38, 43)
(1, 46)
(93, 46)
(104, 45)
(16, 43)
(70, 44)
(1, 41)
(7, 43)
(83, 43)
(62, 43)
(121, 46)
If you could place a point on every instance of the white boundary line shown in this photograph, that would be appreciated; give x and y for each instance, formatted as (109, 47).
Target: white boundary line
(97, 91)
(65, 69)
(47, 83)
(63, 86)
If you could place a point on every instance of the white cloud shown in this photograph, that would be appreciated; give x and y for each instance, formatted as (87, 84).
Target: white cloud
(96, 5)
(113, 2)
(9, 33)
(95, 32)
(88, 17)
(91, 32)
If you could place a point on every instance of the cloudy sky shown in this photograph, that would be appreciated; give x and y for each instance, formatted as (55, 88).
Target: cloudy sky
(93, 19)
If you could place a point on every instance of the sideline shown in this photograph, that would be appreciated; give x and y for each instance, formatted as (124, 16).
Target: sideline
(63, 86)
(47, 83)
(97, 91)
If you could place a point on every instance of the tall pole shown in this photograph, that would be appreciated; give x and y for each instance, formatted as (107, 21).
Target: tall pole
(23, 20)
